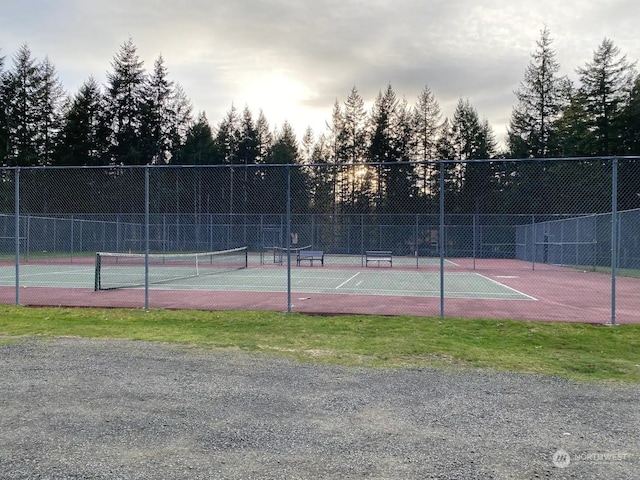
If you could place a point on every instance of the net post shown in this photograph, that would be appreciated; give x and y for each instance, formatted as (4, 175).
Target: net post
(96, 281)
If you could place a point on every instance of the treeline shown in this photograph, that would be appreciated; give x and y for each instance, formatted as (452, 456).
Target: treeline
(140, 118)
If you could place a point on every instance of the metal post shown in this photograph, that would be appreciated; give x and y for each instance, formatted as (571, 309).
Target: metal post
(146, 237)
(441, 238)
(71, 238)
(230, 208)
(614, 236)
(288, 239)
(417, 247)
(362, 254)
(17, 232)
(475, 224)
(533, 242)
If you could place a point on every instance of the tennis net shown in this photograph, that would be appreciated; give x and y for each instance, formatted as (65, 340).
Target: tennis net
(127, 270)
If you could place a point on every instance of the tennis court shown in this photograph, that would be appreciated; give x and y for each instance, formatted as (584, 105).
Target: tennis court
(489, 288)
(346, 280)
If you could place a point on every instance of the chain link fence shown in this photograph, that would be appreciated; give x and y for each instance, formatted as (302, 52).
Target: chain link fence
(461, 237)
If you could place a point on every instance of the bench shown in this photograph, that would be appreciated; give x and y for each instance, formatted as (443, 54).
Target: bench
(310, 255)
(378, 256)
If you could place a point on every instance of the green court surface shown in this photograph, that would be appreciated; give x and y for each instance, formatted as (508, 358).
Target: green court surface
(349, 281)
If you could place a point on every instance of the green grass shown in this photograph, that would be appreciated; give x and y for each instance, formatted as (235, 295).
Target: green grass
(622, 272)
(578, 351)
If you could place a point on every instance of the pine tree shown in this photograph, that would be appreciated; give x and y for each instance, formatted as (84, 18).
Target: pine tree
(285, 152)
(354, 128)
(50, 96)
(306, 151)
(84, 136)
(226, 138)
(321, 181)
(474, 143)
(606, 85)
(180, 121)
(157, 117)
(337, 142)
(401, 189)
(353, 150)
(629, 169)
(630, 121)
(382, 138)
(540, 99)
(264, 139)
(21, 86)
(199, 147)
(446, 153)
(427, 123)
(125, 99)
(247, 155)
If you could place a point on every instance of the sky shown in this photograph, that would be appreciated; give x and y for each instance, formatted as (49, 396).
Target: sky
(293, 59)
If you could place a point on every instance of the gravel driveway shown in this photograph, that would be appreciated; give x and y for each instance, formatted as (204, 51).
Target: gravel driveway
(77, 408)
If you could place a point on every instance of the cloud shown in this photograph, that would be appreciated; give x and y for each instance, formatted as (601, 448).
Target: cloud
(295, 58)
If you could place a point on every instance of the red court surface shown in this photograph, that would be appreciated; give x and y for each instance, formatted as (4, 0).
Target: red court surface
(558, 294)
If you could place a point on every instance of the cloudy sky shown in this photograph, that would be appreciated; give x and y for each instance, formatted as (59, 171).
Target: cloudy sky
(294, 58)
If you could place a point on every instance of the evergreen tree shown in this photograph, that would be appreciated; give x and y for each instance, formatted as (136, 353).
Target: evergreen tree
(353, 151)
(474, 143)
(337, 147)
(427, 123)
(354, 129)
(321, 180)
(630, 121)
(606, 85)
(247, 139)
(306, 152)
(285, 152)
(264, 139)
(50, 96)
(447, 153)
(84, 136)
(539, 103)
(226, 138)
(199, 147)
(179, 121)
(157, 116)
(21, 87)
(248, 155)
(125, 100)
(207, 186)
(401, 188)
(629, 169)
(572, 135)
(382, 139)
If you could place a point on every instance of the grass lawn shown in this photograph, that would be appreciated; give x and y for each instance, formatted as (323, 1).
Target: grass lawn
(578, 351)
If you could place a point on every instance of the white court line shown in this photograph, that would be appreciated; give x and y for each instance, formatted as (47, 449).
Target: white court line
(347, 280)
(507, 287)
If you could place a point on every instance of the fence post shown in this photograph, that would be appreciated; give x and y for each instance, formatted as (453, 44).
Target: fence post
(17, 231)
(146, 237)
(441, 238)
(614, 236)
(288, 238)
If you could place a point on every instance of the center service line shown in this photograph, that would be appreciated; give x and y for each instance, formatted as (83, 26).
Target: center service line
(347, 280)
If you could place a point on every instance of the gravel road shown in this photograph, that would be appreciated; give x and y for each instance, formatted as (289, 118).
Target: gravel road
(104, 409)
